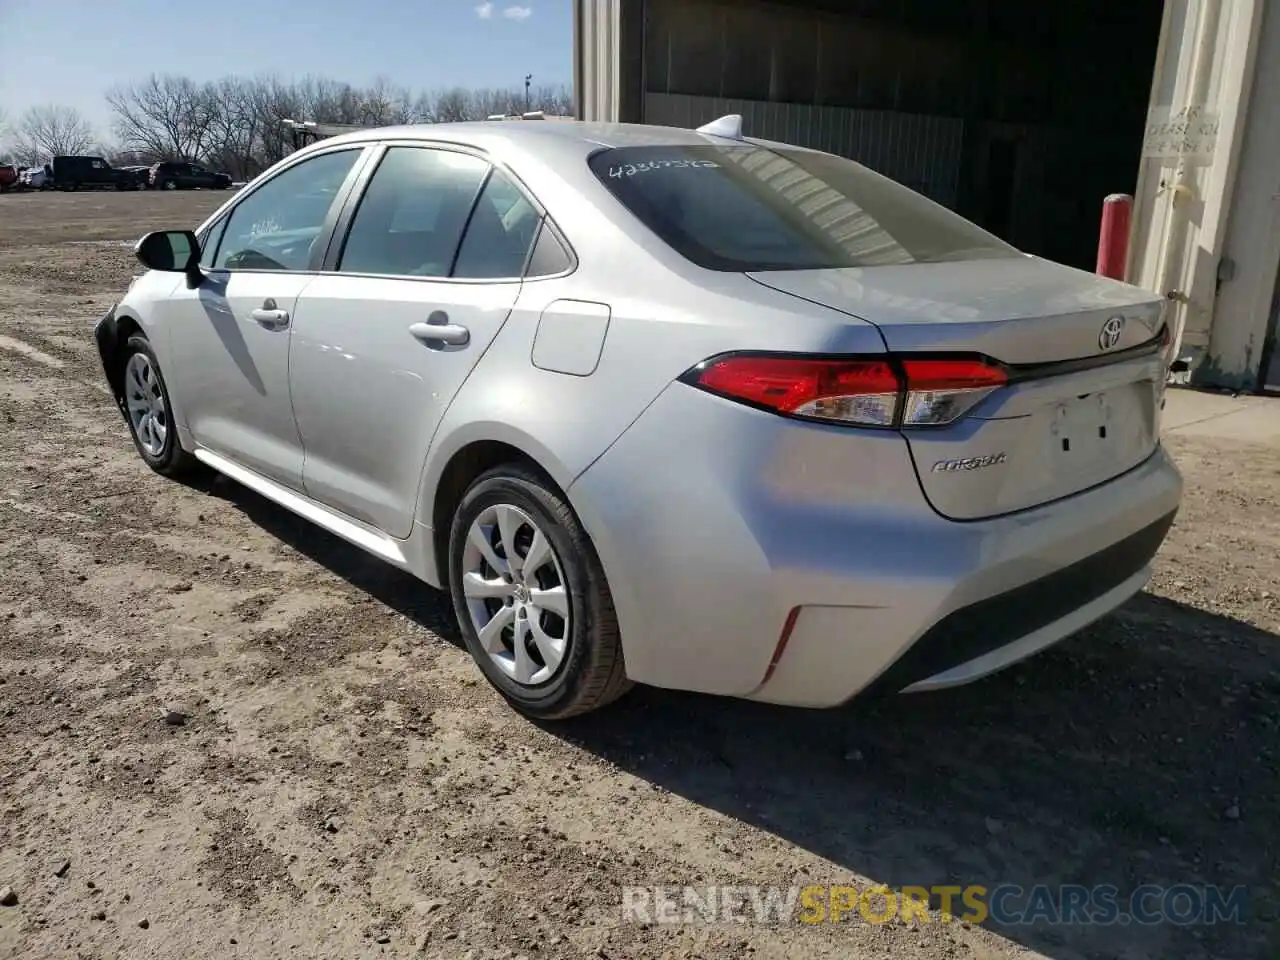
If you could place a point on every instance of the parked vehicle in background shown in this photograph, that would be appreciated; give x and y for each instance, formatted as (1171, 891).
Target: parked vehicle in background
(91, 173)
(141, 173)
(180, 175)
(8, 177)
(134, 177)
(36, 178)
(677, 407)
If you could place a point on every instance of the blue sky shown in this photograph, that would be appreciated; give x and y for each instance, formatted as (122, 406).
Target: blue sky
(71, 52)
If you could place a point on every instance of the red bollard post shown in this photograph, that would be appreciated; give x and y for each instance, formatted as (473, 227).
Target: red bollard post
(1113, 239)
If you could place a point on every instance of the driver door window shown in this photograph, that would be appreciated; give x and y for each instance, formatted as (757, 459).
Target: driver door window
(275, 227)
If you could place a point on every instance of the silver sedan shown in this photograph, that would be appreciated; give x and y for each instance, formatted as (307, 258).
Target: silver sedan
(663, 406)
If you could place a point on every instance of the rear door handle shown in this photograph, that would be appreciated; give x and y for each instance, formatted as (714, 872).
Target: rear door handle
(437, 331)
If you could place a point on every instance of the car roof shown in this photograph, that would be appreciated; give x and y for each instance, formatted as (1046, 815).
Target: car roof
(572, 136)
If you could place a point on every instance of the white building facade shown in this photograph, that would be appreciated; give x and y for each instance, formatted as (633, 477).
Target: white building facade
(1022, 117)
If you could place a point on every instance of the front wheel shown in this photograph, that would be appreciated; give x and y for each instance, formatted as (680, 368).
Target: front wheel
(531, 597)
(169, 185)
(149, 413)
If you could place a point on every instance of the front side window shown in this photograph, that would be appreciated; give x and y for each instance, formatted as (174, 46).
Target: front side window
(411, 217)
(741, 207)
(275, 227)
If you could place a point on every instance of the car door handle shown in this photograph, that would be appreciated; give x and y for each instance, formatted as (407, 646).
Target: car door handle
(271, 319)
(449, 334)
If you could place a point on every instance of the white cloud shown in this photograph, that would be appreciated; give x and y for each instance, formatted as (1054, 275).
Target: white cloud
(517, 13)
(484, 11)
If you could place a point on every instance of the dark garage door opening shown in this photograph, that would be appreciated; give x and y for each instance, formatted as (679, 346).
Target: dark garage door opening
(1022, 116)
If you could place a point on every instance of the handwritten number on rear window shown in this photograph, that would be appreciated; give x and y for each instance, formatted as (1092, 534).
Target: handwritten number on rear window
(644, 166)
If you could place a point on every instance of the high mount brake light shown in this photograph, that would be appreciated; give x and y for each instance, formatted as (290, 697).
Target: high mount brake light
(859, 391)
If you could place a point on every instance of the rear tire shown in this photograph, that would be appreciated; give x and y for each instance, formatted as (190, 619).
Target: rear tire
(149, 413)
(168, 185)
(551, 642)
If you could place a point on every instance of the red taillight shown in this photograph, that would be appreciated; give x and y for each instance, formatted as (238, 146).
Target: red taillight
(857, 391)
(868, 391)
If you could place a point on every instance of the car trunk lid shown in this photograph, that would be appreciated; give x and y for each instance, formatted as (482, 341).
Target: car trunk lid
(1085, 383)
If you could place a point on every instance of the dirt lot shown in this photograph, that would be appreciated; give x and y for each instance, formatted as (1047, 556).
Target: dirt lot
(345, 785)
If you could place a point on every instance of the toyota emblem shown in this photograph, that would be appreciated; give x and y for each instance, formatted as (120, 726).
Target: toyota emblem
(1110, 335)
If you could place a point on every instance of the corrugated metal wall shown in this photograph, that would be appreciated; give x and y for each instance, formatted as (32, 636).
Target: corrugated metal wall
(981, 105)
(923, 152)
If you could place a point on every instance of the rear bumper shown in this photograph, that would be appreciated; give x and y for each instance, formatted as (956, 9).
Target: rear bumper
(981, 638)
(722, 529)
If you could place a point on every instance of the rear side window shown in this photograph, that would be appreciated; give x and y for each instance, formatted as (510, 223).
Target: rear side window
(499, 233)
(411, 217)
(549, 254)
(741, 207)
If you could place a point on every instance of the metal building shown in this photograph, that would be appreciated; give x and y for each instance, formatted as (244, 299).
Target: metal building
(1021, 116)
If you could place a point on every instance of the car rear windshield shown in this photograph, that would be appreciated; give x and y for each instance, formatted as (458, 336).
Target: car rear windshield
(748, 207)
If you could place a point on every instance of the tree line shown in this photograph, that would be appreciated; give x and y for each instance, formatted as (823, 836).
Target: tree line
(235, 123)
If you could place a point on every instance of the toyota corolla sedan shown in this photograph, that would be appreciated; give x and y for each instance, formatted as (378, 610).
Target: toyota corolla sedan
(663, 406)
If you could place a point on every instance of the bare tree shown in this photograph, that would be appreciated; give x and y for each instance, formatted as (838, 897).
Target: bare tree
(5, 148)
(385, 105)
(555, 101)
(234, 123)
(424, 108)
(273, 103)
(487, 103)
(51, 131)
(165, 117)
(452, 105)
(237, 123)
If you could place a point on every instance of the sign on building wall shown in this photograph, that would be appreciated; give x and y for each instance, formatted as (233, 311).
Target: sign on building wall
(1189, 133)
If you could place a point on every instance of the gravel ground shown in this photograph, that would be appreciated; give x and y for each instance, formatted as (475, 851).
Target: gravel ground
(334, 779)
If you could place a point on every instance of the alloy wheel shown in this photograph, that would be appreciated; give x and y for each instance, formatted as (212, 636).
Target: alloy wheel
(144, 399)
(516, 594)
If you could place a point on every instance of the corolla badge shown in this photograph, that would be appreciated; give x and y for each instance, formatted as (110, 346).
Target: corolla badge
(970, 463)
(1109, 336)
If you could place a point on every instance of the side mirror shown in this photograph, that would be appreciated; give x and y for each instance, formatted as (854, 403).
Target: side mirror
(172, 251)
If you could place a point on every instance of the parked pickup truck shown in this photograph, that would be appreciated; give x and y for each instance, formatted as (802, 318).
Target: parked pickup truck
(8, 177)
(90, 173)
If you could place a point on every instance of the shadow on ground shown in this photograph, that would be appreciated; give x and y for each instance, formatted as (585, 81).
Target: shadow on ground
(396, 589)
(1146, 750)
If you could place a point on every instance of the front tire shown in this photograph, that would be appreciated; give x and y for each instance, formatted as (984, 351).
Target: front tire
(169, 185)
(150, 414)
(541, 627)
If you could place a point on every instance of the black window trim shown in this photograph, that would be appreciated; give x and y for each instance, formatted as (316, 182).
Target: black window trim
(363, 151)
(218, 226)
(342, 223)
(466, 228)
